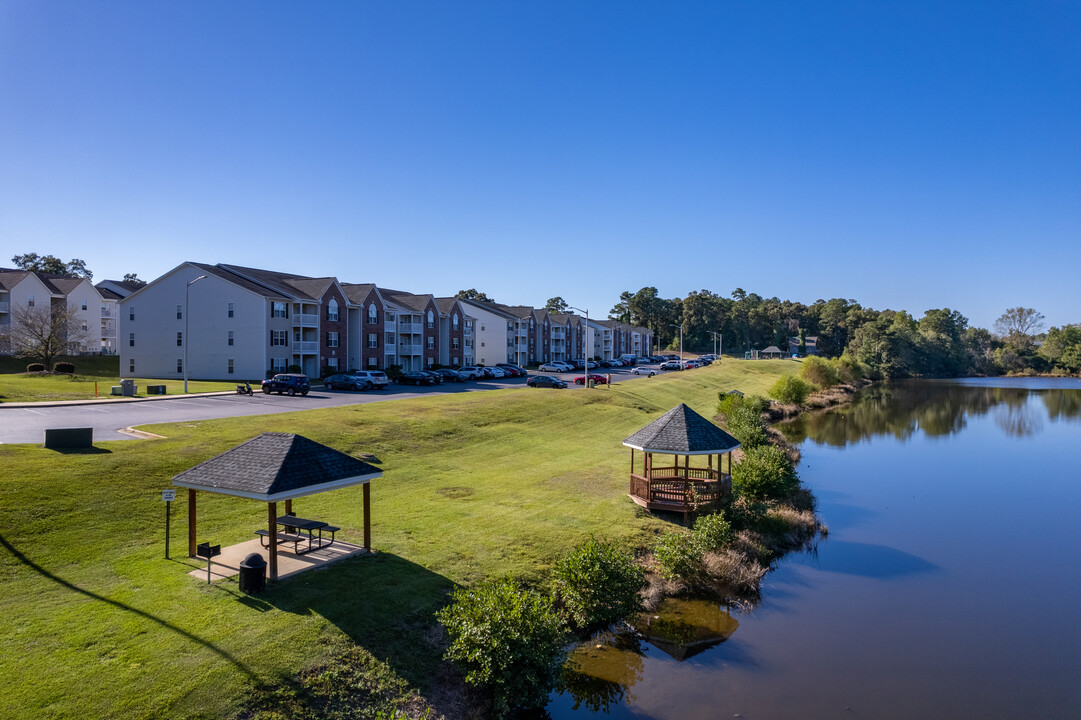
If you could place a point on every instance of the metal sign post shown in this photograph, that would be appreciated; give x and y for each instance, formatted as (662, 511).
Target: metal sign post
(168, 496)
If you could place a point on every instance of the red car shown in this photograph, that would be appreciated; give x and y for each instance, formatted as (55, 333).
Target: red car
(597, 380)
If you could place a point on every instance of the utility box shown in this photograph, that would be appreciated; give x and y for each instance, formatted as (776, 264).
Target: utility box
(127, 388)
(69, 438)
(155, 389)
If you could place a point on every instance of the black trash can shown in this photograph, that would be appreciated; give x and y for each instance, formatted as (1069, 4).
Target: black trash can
(253, 574)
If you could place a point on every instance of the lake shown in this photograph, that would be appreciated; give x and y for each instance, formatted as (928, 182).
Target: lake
(949, 585)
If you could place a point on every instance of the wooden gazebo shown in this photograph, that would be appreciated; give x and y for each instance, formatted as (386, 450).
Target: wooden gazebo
(272, 468)
(771, 353)
(679, 486)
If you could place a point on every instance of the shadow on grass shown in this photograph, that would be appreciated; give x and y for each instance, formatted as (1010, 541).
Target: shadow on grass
(81, 451)
(383, 602)
(18, 555)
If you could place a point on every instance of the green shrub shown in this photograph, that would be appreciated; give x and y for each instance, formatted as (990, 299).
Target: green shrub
(712, 532)
(295, 369)
(819, 372)
(599, 583)
(35, 367)
(790, 389)
(745, 424)
(765, 472)
(64, 367)
(394, 372)
(507, 639)
(678, 556)
(849, 369)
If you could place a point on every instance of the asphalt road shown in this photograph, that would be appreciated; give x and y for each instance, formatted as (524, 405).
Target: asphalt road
(27, 424)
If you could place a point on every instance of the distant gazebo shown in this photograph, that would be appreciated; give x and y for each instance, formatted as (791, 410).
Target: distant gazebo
(772, 352)
(679, 487)
(276, 467)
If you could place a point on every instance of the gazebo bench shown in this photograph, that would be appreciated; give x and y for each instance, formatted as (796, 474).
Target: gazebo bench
(294, 538)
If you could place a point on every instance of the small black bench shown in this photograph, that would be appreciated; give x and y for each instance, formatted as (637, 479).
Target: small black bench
(284, 538)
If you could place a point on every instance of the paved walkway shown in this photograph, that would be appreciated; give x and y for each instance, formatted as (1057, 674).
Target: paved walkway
(111, 400)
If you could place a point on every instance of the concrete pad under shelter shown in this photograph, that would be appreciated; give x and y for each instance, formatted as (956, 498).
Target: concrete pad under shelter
(228, 563)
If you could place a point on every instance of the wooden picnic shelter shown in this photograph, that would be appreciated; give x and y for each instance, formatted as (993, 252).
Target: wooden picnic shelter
(273, 468)
(772, 352)
(676, 485)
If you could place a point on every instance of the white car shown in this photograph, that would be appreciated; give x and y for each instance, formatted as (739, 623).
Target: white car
(497, 372)
(470, 372)
(551, 367)
(648, 371)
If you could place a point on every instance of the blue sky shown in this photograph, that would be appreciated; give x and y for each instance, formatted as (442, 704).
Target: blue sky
(907, 155)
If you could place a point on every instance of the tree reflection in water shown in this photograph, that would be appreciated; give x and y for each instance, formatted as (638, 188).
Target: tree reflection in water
(937, 408)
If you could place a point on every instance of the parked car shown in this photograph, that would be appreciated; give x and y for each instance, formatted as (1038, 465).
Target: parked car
(470, 372)
(545, 381)
(436, 377)
(289, 383)
(643, 370)
(495, 372)
(671, 365)
(691, 364)
(377, 378)
(567, 367)
(552, 367)
(597, 380)
(347, 382)
(450, 375)
(512, 370)
(415, 378)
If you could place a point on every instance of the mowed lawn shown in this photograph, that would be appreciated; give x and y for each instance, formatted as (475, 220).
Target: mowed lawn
(90, 371)
(98, 624)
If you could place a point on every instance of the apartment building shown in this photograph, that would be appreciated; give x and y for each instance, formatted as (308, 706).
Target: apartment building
(112, 292)
(29, 289)
(455, 333)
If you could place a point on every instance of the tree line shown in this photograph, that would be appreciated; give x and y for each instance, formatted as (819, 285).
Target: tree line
(890, 343)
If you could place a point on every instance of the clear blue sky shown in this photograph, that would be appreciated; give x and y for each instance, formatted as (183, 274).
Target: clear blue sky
(908, 155)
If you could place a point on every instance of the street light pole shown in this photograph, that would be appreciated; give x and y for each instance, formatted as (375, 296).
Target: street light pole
(186, 339)
(714, 334)
(680, 340)
(585, 331)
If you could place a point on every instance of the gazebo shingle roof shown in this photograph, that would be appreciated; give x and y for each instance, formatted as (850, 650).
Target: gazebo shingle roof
(682, 431)
(276, 466)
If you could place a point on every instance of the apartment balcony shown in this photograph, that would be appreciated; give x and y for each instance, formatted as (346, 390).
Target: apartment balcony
(301, 320)
(107, 313)
(305, 347)
(405, 349)
(406, 328)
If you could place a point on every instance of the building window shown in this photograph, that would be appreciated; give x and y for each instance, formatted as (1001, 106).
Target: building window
(431, 361)
(530, 323)
(373, 313)
(230, 366)
(180, 365)
(372, 362)
(30, 301)
(373, 340)
(84, 304)
(131, 313)
(231, 308)
(431, 319)
(453, 343)
(279, 310)
(454, 360)
(332, 339)
(131, 365)
(332, 310)
(431, 343)
(279, 338)
(131, 339)
(332, 363)
(454, 321)
(179, 312)
(230, 337)
(278, 364)
(180, 339)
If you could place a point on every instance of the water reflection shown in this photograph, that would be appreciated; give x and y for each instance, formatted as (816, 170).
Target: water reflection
(864, 560)
(602, 672)
(936, 409)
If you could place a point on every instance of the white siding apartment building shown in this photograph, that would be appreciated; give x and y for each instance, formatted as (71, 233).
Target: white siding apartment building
(26, 289)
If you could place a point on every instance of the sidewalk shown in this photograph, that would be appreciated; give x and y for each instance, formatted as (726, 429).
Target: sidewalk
(110, 400)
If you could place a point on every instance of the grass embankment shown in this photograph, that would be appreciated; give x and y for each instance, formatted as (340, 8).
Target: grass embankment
(16, 385)
(98, 624)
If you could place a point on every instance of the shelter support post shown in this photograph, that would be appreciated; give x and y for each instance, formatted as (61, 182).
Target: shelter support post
(272, 522)
(191, 523)
(288, 507)
(368, 517)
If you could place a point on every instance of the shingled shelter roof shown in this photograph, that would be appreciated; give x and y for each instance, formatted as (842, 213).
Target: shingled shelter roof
(277, 466)
(682, 431)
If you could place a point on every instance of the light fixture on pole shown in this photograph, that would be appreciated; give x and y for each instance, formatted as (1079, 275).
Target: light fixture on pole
(583, 334)
(715, 335)
(680, 340)
(186, 288)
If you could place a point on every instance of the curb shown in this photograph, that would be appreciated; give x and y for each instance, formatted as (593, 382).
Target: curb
(111, 400)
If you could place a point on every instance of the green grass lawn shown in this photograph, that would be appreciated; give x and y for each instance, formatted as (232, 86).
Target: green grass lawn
(99, 624)
(91, 370)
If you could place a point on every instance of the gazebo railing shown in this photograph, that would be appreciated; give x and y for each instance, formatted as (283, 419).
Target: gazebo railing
(658, 472)
(680, 493)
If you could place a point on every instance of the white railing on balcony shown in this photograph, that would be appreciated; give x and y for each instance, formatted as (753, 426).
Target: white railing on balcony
(305, 346)
(406, 349)
(410, 328)
(301, 320)
(105, 312)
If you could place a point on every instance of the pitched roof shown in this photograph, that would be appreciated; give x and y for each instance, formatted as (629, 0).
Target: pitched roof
(10, 278)
(238, 280)
(446, 304)
(408, 300)
(277, 466)
(108, 294)
(277, 281)
(772, 349)
(357, 292)
(682, 431)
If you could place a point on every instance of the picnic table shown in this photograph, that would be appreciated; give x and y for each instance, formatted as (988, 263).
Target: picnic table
(297, 531)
